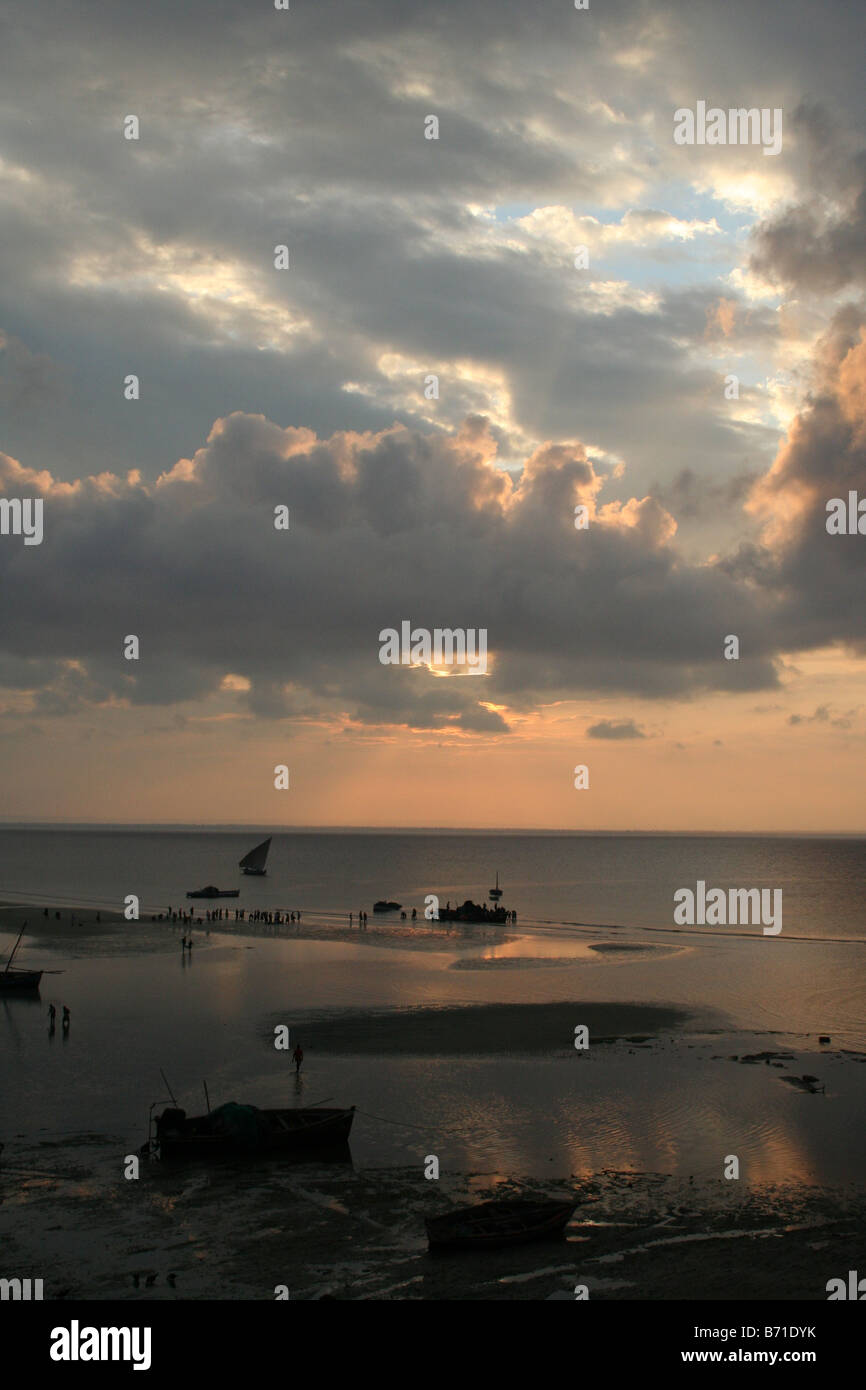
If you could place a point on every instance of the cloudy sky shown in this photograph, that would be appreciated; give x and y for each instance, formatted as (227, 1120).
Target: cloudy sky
(606, 384)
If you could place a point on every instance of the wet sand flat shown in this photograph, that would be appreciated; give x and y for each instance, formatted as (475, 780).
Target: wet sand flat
(237, 1232)
(486, 1028)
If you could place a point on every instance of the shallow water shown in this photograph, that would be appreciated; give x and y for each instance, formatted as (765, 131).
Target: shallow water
(674, 1103)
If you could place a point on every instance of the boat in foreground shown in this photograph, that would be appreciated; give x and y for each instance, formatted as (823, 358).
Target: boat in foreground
(16, 981)
(211, 892)
(489, 1225)
(244, 1129)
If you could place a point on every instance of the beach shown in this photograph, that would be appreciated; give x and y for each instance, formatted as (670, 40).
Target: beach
(449, 1058)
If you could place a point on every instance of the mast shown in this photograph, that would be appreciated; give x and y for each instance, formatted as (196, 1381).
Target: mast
(15, 948)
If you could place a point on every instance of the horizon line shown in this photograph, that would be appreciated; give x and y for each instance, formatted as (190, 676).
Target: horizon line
(236, 827)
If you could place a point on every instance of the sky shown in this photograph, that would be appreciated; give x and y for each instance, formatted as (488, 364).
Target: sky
(434, 383)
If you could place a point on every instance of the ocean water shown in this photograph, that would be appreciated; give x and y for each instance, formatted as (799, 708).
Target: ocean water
(557, 879)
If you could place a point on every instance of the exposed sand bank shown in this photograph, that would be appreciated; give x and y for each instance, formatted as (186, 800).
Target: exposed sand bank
(486, 1028)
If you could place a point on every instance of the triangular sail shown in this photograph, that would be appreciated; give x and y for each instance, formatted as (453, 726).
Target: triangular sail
(256, 857)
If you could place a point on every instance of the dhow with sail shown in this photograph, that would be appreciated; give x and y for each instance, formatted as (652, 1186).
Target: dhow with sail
(254, 862)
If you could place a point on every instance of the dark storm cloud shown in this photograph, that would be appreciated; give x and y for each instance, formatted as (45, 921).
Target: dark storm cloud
(817, 578)
(383, 528)
(615, 729)
(818, 243)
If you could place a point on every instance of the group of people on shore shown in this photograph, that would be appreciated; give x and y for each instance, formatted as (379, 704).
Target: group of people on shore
(222, 914)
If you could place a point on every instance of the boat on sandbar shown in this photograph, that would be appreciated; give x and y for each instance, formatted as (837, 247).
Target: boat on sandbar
(490, 1225)
(17, 981)
(247, 1130)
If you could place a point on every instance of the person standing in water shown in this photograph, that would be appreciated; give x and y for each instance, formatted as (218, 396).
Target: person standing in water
(297, 1058)
(66, 1019)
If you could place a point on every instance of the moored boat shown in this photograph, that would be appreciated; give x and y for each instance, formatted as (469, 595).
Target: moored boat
(244, 1129)
(495, 893)
(254, 862)
(15, 980)
(472, 912)
(489, 1225)
(211, 892)
(382, 906)
(19, 981)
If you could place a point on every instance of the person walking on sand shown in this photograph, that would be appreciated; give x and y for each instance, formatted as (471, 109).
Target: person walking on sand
(297, 1058)
(52, 1017)
(65, 1019)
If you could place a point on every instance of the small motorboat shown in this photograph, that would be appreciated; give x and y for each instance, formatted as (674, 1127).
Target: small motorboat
(244, 1129)
(211, 892)
(495, 893)
(16, 981)
(382, 906)
(489, 1225)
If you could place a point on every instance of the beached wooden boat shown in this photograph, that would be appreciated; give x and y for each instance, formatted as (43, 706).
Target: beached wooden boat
(489, 1225)
(15, 980)
(382, 906)
(19, 981)
(244, 1129)
(211, 892)
(254, 862)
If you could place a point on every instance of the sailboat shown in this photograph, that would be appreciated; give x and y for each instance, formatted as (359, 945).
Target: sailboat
(495, 893)
(19, 980)
(254, 862)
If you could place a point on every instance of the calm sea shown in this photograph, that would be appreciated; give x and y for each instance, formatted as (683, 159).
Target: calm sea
(611, 880)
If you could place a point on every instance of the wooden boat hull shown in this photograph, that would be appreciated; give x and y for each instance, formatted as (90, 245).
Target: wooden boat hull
(492, 1225)
(287, 1132)
(255, 873)
(20, 981)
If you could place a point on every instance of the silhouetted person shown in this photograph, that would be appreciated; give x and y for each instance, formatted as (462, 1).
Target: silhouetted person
(298, 1057)
(65, 1019)
(414, 914)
